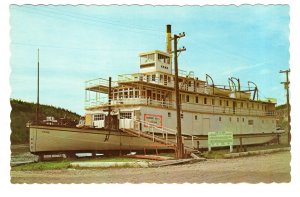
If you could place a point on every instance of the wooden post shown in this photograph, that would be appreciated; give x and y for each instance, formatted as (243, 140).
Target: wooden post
(179, 149)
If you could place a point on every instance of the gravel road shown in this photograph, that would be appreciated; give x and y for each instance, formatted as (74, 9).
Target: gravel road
(263, 168)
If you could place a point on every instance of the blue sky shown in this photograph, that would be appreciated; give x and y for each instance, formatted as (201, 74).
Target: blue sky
(85, 42)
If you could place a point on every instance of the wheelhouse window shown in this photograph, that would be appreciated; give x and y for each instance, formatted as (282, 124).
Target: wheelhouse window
(164, 59)
(148, 58)
(197, 101)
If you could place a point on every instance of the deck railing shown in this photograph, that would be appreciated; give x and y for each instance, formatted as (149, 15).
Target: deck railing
(99, 82)
(102, 102)
(162, 132)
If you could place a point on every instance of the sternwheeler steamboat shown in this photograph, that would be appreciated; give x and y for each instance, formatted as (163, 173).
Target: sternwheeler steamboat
(138, 112)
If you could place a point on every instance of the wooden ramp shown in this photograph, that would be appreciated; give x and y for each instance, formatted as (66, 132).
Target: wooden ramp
(160, 139)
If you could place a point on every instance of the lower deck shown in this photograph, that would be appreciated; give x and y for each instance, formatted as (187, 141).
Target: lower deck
(193, 123)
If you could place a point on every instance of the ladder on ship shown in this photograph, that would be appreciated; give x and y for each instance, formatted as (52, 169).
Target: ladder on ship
(166, 136)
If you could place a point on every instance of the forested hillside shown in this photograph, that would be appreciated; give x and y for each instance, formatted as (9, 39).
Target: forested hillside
(22, 112)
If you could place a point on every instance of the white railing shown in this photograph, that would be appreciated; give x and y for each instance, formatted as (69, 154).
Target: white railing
(99, 82)
(164, 131)
(184, 106)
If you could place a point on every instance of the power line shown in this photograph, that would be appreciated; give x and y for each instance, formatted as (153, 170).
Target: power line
(90, 20)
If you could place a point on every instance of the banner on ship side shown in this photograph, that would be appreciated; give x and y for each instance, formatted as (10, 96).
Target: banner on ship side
(153, 119)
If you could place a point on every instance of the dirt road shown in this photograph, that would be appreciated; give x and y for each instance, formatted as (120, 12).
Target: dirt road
(263, 168)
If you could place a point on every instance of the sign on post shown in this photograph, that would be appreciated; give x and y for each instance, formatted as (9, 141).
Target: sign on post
(219, 139)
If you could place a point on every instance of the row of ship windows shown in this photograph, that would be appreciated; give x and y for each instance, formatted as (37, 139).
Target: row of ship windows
(128, 115)
(186, 98)
(123, 115)
(250, 122)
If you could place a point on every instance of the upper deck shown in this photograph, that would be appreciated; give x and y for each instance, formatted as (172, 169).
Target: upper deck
(154, 86)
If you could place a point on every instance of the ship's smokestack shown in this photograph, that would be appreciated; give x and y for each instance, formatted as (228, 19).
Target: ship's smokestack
(169, 39)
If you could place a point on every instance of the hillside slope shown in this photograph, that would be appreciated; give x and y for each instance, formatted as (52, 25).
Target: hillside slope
(22, 112)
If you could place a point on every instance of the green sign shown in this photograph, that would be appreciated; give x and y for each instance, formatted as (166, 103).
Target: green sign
(216, 139)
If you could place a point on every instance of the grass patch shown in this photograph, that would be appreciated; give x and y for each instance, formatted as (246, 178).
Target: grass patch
(114, 159)
(214, 155)
(50, 165)
(64, 164)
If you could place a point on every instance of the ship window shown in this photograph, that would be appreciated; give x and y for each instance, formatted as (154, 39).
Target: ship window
(205, 100)
(213, 101)
(242, 104)
(250, 122)
(220, 119)
(190, 83)
(153, 77)
(136, 94)
(220, 102)
(169, 114)
(196, 117)
(98, 117)
(187, 98)
(243, 119)
(131, 94)
(158, 96)
(147, 58)
(182, 98)
(163, 59)
(227, 103)
(125, 115)
(197, 99)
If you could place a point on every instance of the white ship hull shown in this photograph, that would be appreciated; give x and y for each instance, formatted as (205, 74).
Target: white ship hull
(60, 139)
(50, 139)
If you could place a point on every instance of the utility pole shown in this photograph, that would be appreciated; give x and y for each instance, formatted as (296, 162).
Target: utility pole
(38, 90)
(286, 86)
(179, 148)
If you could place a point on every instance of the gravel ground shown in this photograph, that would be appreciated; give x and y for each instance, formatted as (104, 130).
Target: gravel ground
(263, 168)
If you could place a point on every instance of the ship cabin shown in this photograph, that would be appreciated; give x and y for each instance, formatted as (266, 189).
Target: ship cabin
(149, 96)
